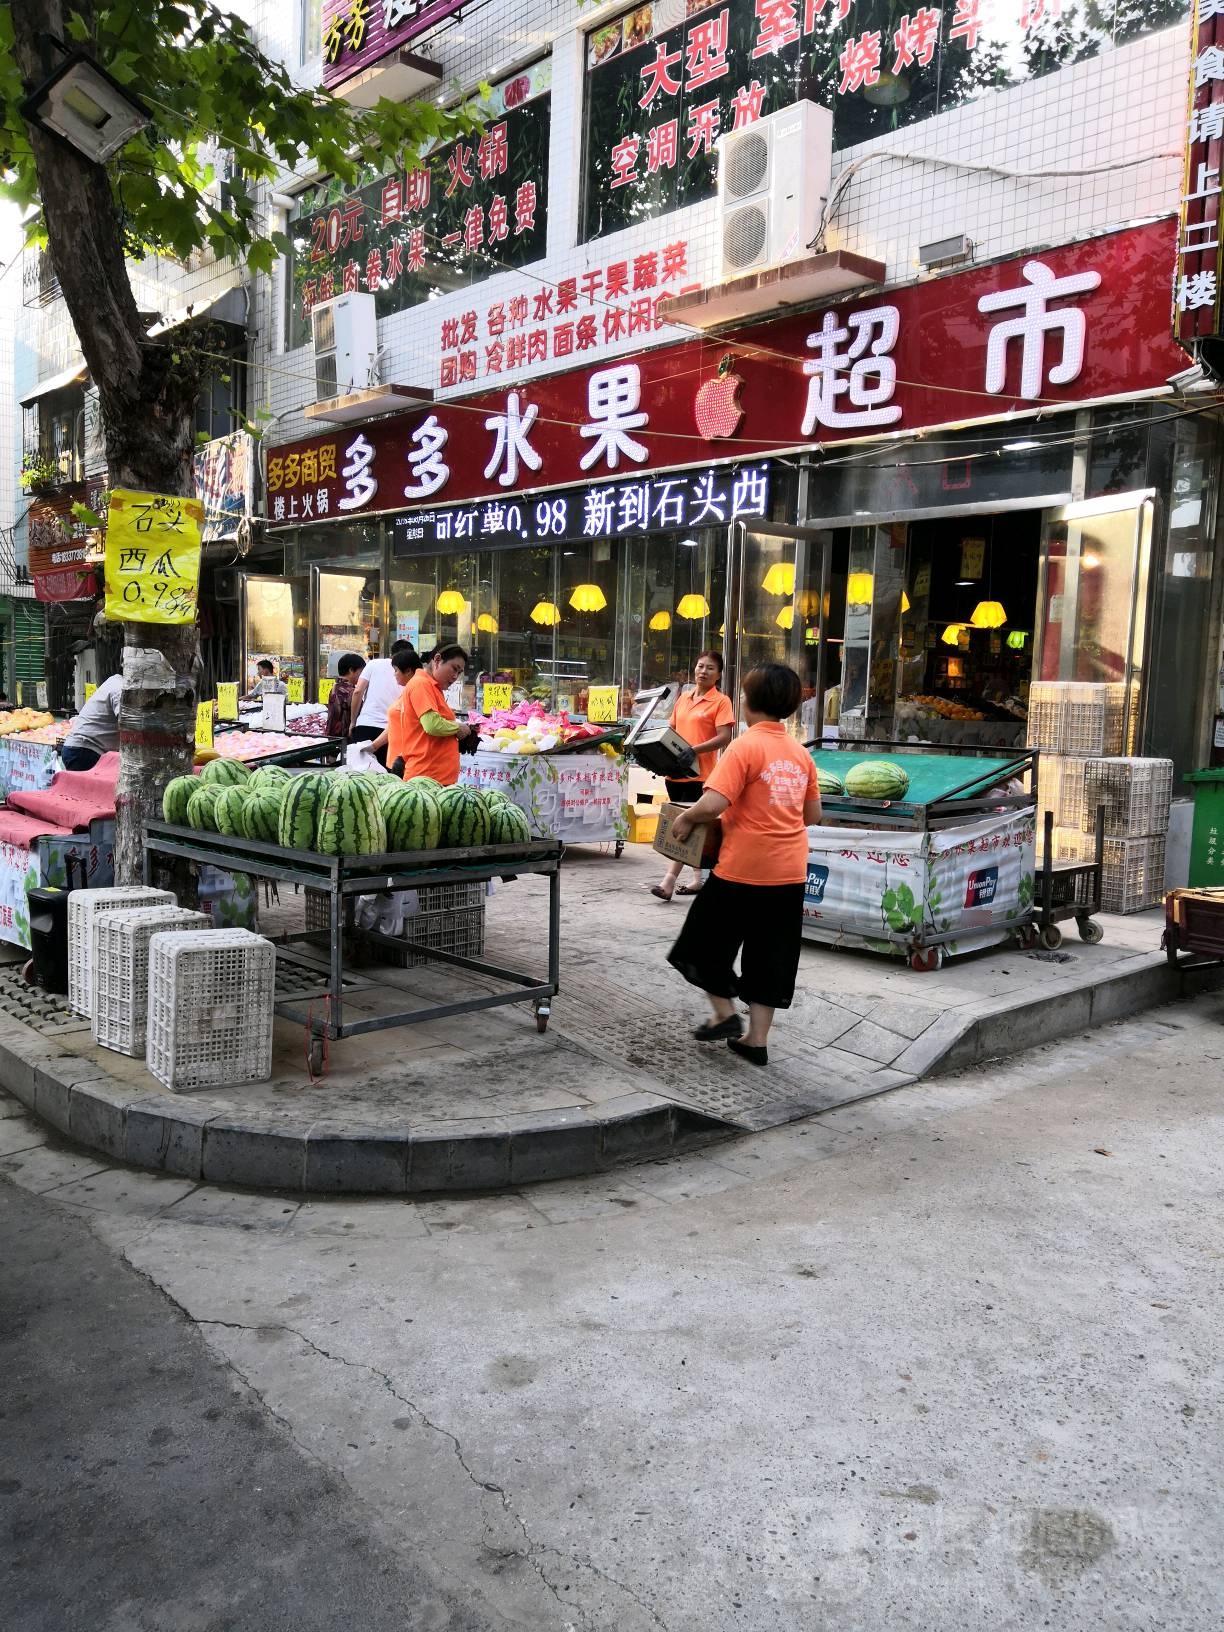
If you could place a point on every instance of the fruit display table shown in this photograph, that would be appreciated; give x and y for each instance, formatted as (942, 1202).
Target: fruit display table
(65, 860)
(577, 798)
(255, 747)
(26, 766)
(339, 880)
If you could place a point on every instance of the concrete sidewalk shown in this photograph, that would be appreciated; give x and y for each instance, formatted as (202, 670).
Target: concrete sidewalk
(482, 1101)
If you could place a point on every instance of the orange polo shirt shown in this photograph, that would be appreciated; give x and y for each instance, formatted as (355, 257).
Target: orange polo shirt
(768, 778)
(396, 727)
(697, 719)
(425, 755)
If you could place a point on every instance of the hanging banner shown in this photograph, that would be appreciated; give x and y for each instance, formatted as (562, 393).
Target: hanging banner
(1198, 310)
(152, 557)
(357, 34)
(225, 483)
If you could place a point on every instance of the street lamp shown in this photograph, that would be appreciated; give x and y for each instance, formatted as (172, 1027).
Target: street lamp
(82, 105)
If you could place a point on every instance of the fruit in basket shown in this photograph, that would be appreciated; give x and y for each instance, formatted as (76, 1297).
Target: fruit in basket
(465, 818)
(877, 779)
(830, 785)
(508, 825)
(201, 809)
(268, 776)
(351, 820)
(300, 809)
(225, 773)
(228, 810)
(261, 809)
(413, 818)
(176, 796)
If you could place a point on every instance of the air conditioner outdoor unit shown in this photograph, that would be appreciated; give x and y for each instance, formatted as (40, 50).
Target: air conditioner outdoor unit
(345, 334)
(773, 178)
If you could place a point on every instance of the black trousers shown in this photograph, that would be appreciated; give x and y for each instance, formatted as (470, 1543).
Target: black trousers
(367, 733)
(79, 759)
(761, 924)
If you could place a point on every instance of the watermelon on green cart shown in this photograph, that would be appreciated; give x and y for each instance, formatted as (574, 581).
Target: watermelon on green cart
(351, 820)
(267, 776)
(261, 811)
(300, 809)
(225, 773)
(509, 825)
(175, 798)
(465, 818)
(414, 819)
(201, 808)
(228, 810)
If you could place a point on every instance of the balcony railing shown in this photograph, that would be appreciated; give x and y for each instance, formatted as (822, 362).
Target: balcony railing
(39, 284)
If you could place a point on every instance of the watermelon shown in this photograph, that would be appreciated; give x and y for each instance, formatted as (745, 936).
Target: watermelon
(261, 812)
(830, 785)
(350, 820)
(201, 809)
(174, 799)
(227, 812)
(268, 776)
(299, 812)
(465, 818)
(425, 782)
(225, 773)
(493, 797)
(509, 825)
(414, 821)
(877, 779)
(388, 787)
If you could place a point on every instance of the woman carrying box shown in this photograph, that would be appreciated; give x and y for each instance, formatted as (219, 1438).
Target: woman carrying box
(705, 718)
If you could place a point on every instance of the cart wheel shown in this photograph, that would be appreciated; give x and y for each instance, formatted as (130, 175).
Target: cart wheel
(1051, 937)
(542, 1013)
(620, 848)
(316, 1056)
(927, 960)
(1090, 932)
(1026, 937)
(27, 972)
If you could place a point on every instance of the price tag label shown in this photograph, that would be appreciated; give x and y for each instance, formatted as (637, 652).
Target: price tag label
(204, 722)
(603, 705)
(90, 688)
(227, 700)
(325, 689)
(498, 694)
(295, 689)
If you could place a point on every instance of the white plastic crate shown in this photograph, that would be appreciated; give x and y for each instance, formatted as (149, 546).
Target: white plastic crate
(1060, 788)
(84, 906)
(1132, 878)
(1081, 718)
(210, 1008)
(121, 971)
(1136, 794)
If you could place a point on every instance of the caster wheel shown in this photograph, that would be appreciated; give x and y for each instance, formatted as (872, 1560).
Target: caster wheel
(1090, 932)
(541, 1018)
(927, 960)
(27, 972)
(1051, 937)
(620, 848)
(316, 1056)
(1026, 938)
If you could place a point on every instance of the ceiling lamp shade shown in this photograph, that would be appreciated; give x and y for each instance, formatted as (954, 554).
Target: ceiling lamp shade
(588, 598)
(780, 579)
(988, 615)
(661, 621)
(905, 602)
(1017, 638)
(546, 613)
(859, 589)
(487, 623)
(952, 634)
(786, 618)
(450, 602)
(693, 607)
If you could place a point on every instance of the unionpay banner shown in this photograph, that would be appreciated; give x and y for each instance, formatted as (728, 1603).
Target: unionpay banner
(152, 557)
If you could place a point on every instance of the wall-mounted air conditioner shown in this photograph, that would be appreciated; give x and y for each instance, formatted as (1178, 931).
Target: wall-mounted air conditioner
(773, 179)
(345, 333)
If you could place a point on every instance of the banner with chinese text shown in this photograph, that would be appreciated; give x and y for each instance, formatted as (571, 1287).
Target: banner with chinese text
(152, 557)
(1197, 307)
(358, 33)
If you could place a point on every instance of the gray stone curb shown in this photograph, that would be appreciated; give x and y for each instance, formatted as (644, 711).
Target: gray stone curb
(172, 1134)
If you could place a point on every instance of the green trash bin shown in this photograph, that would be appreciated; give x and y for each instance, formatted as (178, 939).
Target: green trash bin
(1207, 836)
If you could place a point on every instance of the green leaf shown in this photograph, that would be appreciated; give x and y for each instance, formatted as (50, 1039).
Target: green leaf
(888, 902)
(86, 516)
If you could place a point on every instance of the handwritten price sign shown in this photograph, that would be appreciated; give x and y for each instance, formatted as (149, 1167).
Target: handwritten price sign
(90, 688)
(603, 705)
(204, 730)
(295, 689)
(152, 557)
(325, 690)
(498, 695)
(227, 700)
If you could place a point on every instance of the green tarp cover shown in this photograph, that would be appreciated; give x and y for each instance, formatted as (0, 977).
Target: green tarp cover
(932, 776)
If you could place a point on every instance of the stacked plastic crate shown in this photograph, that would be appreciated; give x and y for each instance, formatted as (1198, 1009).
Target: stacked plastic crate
(1080, 729)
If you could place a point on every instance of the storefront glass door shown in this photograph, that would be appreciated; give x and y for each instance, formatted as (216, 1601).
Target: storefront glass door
(347, 617)
(274, 625)
(777, 610)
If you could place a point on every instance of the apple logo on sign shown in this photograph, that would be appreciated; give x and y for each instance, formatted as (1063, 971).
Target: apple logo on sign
(716, 406)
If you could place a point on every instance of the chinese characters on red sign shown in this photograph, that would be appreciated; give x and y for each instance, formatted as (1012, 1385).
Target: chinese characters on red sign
(1197, 305)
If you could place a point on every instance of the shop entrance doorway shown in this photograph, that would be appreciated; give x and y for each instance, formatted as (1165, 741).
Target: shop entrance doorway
(347, 617)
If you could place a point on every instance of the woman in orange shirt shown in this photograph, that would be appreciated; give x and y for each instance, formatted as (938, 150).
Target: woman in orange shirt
(432, 734)
(764, 788)
(404, 664)
(705, 718)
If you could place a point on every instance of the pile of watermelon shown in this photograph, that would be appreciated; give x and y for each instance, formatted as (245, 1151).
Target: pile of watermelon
(366, 814)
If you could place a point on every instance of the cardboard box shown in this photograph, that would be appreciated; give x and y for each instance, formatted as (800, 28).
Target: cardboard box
(643, 824)
(690, 850)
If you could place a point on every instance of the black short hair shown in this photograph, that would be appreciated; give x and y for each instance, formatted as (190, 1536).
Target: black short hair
(773, 690)
(714, 657)
(350, 663)
(444, 654)
(405, 660)
(400, 645)
(266, 663)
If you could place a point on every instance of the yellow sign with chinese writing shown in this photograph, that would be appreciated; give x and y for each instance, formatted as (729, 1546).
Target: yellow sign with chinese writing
(90, 688)
(227, 700)
(603, 705)
(325, 690)
(295, 689)
(498, 695)
(20, 694)
(152, 557)
(204, 731)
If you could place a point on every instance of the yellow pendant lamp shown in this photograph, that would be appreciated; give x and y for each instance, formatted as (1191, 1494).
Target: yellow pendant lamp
(988, 615)
(905, 602)
(786, 618)
(952, 634)
(780, 579)
(693, 607)
(588, 598)
(487, 623)
(546, 613)
(860, 586)
(450, 602)
(661, 621)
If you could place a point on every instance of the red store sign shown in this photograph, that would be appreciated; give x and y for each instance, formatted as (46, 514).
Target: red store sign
(1063, 326)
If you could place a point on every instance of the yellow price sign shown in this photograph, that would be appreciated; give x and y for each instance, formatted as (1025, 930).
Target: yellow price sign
(20, 689)
(325, 690)
(498, 694)
(204, 729)
(603, 705)
(295, 689)
(90, 688)
(152, 557)
(227, 700)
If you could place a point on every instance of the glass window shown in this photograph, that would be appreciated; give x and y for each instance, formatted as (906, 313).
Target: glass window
(275, 626)
(311, 40)
(473, 208)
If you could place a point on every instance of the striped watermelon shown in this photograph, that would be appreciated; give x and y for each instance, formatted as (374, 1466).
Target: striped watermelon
(227, 812)
(268, 776)
(201, 809)
(414, 821)
(494, 797)
(299, 812)
(425, 782)
(174, 799)
(225, 773)
(261, 812)
(351, 820)
(509, 825)
(465, 818)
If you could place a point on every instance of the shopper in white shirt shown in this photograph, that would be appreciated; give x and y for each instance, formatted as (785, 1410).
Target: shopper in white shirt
(373, 695)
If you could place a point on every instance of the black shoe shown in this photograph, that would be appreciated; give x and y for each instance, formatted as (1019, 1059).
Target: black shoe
(746, 1051)
(715, 1030)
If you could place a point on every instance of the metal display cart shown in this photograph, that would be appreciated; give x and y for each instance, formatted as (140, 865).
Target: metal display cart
(313, 751)
(1069, 889)
(341, 879)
